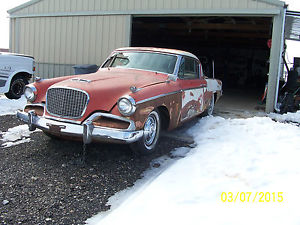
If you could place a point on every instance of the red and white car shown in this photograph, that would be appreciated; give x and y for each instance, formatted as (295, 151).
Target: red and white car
(135, 93)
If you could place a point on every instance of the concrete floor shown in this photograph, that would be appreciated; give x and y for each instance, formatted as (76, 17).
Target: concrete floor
(239, 103)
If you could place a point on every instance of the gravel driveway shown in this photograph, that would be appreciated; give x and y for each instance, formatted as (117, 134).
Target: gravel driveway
(42, 183)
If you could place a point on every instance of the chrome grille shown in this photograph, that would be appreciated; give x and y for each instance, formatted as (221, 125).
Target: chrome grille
(65, 102)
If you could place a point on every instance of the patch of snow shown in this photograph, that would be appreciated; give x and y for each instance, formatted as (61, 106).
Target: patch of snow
(147, 177)
(16, 135)
(5, 202)
(232, 155)
(287, 117)
(10, 106)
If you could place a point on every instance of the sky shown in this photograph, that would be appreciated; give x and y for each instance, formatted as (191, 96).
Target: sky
(9, 4)
(4, 20)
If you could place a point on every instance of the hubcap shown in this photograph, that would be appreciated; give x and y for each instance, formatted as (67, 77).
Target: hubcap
(150, 130)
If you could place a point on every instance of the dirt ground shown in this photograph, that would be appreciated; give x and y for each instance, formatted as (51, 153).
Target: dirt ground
(42, 181)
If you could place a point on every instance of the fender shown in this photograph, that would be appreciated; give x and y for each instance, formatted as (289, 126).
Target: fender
(213, 85)
(5, 89)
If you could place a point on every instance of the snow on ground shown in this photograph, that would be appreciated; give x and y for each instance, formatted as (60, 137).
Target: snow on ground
(232, 155)
(9, 106)
(288, 117)
(15, 136)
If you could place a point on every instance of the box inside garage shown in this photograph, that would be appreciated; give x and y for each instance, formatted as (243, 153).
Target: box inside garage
(237, 45)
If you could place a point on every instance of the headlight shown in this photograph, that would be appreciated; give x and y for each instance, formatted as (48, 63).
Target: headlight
(126, 106)
(30, 93)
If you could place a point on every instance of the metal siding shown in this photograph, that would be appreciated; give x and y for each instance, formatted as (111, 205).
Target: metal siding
(91, 5)
(93, 39)
(217, 4)
(175, 4)
(52, 44)
(151, 4)
(41, 56)
(46, 7)
(225, 3)
(252, 4)
(208, 4)
(56, 41)
(183, 4)
(80, 41)
(13, 35)
(31, 43)
(73, 6)
(22, 34)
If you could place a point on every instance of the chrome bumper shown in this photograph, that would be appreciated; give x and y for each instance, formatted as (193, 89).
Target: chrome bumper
(87, 131)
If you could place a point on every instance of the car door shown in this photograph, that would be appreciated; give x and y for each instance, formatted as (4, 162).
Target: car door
(193, 87)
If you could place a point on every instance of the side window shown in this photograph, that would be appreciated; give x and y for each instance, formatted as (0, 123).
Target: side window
(181, 69)
(189, 69)
(107, 63)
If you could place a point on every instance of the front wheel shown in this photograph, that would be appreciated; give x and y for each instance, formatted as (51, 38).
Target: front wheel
(146, 145)
(17, 87)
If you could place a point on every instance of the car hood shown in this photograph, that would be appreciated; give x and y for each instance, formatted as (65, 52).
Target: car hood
(107, 85)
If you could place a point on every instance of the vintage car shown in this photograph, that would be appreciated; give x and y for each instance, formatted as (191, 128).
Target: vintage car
(135, 93)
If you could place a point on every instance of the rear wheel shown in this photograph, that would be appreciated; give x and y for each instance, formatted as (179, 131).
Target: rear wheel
(209, 111)
(146, 145)
(17, 87)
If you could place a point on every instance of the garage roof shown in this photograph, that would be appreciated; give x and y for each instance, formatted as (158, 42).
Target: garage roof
(277, 3)
(292, 26)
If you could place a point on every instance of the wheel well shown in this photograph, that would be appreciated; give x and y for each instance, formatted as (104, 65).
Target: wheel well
(22, 75)
(215, 97)
(165, 117)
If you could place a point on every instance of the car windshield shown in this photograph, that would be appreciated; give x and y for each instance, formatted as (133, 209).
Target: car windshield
(157, 62)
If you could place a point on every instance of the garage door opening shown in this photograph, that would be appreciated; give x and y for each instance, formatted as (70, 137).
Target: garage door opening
(237, 45)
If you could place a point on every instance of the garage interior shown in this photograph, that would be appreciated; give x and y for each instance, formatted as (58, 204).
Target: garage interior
(237, 45)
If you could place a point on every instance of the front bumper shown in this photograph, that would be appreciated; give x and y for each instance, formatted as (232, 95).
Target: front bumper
(87, 131)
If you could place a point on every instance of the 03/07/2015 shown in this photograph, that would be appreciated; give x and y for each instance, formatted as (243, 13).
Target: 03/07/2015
(252, 197)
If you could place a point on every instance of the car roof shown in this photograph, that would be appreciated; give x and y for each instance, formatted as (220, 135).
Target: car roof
(163, 50)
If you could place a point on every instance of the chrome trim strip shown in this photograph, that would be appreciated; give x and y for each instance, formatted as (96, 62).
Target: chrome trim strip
(62, 120)
(70, 88)
(158, 96)
(177, 66)
(36, 104)
(174, 92)
(81, 80)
